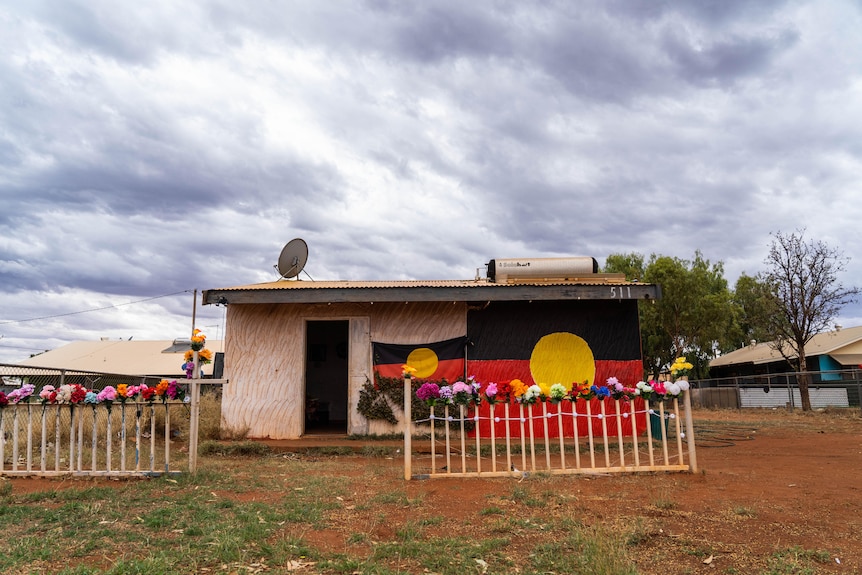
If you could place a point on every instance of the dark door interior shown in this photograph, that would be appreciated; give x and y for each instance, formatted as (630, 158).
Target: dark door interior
(326, 379)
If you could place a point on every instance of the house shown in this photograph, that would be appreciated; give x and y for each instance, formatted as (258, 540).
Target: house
(759, 376)
(836, 350)
(298, 353)
(156, 358)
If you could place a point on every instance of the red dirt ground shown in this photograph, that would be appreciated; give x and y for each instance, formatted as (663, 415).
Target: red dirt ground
(768, 481)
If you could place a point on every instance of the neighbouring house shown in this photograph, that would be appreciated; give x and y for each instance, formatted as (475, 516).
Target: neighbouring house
(757, 375)
(836, 350)
(298, 353)
(155, 358)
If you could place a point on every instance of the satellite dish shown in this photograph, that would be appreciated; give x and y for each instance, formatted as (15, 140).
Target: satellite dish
(292, 259)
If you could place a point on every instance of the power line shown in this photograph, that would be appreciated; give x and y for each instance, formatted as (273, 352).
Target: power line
(92, 310)
(19, 347)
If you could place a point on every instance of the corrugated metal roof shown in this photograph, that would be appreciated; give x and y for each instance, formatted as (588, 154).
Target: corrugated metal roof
(384, 284)
(120, 357)
(829, 343)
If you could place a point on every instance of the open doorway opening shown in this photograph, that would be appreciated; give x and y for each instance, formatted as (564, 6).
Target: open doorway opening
(326, 377)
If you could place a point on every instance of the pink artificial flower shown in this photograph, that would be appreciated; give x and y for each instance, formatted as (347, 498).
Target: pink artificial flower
(428, 392)
(107, 394)
(46, 392)
(461, 387)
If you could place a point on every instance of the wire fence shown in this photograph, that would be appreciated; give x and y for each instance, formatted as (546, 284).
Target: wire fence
(827, 388)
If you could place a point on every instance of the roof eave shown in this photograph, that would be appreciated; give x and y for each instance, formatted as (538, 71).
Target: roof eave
(486, 292)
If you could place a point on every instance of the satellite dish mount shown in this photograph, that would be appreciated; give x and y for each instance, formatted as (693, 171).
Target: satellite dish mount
(293, 257)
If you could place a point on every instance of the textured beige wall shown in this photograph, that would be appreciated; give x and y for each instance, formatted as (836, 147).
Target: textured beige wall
(265, 357)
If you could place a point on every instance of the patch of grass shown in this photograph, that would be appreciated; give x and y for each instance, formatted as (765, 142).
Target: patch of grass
(399, 498)
(511, 525)
(796, 561)
(583, 550)
(664, 504)
(458, 558)
(234, 449)
(356, 538)
(638, 534)
(493, 510)
(747, 512)
(329, 450)
(523, 496)
(378, 451)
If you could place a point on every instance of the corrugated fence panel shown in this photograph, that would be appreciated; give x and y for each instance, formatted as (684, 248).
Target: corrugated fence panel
(779, 397)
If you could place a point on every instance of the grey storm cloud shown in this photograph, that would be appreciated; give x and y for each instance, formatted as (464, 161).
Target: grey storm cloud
(158, 148)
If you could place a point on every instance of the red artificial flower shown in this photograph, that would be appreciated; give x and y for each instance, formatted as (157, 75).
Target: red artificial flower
(504, 392)
(78, 394)
(148, 392)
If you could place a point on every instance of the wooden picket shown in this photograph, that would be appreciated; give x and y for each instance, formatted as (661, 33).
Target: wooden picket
(517, 454)
(124, 439)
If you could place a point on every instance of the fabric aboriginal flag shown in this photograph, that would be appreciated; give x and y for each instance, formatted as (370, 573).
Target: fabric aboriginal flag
(568, 342)
(432, 361)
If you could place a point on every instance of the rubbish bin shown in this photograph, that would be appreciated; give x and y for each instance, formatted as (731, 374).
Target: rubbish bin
(655, 421)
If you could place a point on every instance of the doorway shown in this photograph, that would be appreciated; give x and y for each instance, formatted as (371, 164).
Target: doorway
(326, 376)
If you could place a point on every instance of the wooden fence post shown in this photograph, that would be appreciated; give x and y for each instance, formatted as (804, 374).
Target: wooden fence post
(689, 432)
(408, 438)
(194, 414)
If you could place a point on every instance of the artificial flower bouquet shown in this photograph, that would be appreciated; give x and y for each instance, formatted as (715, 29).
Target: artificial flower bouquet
(680, 368)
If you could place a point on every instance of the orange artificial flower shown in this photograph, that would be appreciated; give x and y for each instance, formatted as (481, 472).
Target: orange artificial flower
(518, 387)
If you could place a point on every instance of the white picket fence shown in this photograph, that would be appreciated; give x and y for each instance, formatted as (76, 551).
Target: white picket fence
(117, 439)
(120, 440)
(539, 439)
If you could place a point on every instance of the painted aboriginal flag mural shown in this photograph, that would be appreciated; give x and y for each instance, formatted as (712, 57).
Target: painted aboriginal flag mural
(433, 361)
(556, 342)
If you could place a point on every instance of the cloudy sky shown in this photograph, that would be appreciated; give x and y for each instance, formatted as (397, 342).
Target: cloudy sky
(153, 149)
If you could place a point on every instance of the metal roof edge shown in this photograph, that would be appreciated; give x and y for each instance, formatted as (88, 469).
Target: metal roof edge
(417, 290)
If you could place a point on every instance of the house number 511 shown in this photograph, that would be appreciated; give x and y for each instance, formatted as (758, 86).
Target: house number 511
(620, 292)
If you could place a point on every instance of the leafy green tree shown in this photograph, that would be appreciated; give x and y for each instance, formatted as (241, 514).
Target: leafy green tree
(632, 265)
(803, 279)
(695, 311)
(694, 316)
(756, 307)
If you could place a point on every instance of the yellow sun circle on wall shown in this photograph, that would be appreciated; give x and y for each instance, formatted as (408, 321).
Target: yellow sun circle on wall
(424, 360)
(562, 357)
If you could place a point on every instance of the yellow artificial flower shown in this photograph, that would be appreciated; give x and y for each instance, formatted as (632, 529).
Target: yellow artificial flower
(407, 370)
(680, 364)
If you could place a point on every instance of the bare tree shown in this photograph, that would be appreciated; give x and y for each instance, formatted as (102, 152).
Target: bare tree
(803, 277)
